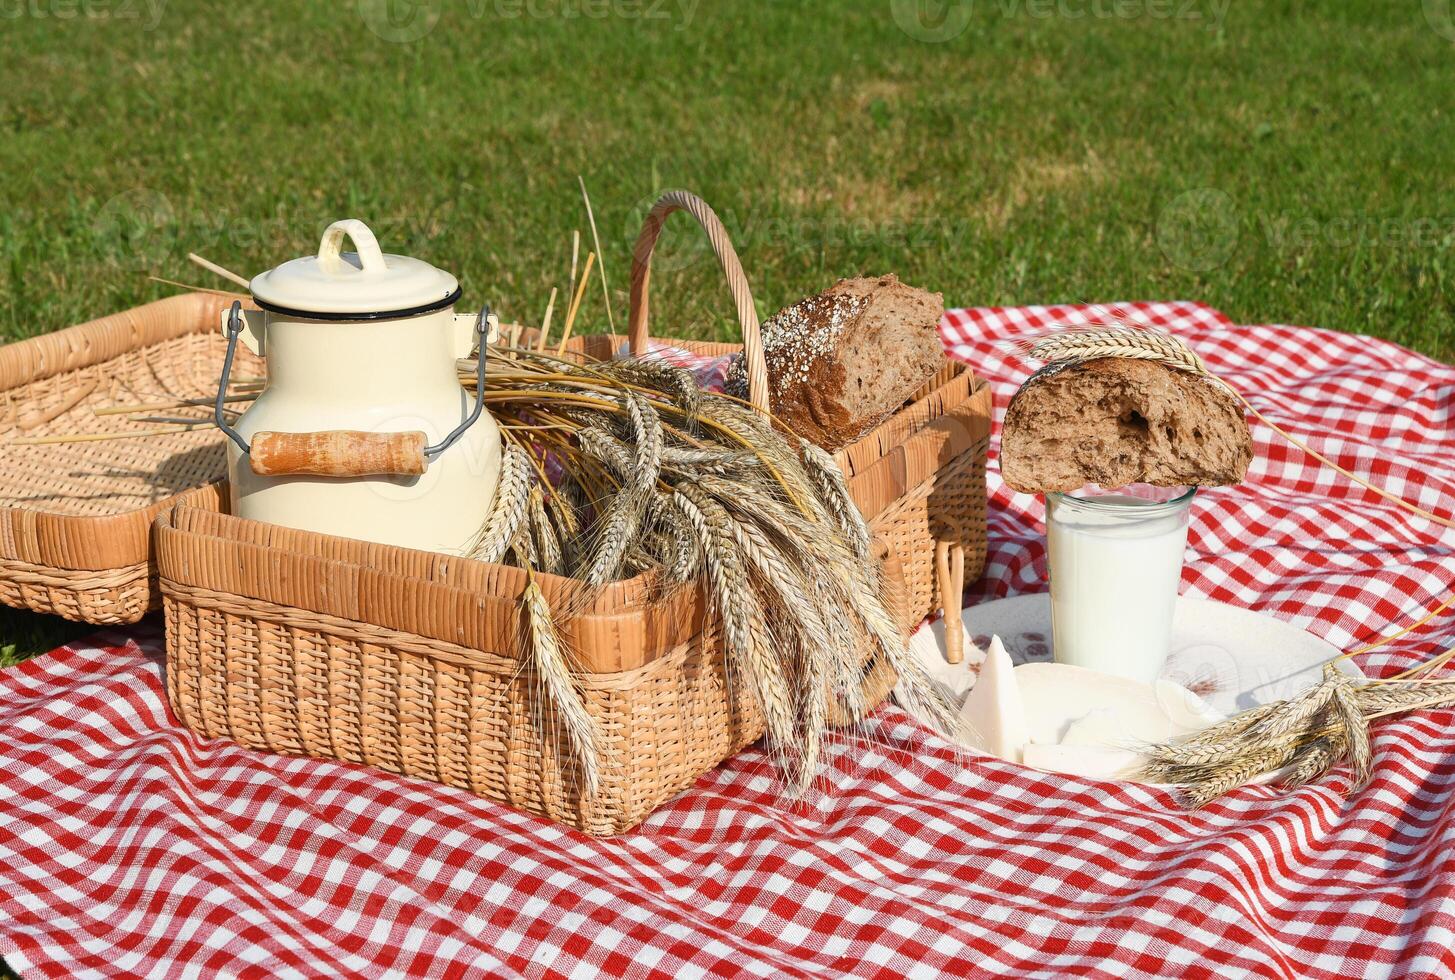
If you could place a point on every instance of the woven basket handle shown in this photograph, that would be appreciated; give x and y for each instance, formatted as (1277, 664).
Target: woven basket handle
(731, 267)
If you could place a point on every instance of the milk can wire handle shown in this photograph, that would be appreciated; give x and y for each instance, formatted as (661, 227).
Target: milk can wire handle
(235, 329)
(482, 330)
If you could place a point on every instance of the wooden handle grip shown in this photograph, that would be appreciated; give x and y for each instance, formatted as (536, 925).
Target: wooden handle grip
(338, 453)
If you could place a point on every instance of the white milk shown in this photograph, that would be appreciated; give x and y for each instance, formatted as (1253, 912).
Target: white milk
(1116, 561)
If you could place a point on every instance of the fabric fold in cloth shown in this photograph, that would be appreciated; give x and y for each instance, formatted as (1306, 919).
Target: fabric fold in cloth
(130, 847)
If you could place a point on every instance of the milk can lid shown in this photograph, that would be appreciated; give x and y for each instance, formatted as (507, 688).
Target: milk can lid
(367, 284)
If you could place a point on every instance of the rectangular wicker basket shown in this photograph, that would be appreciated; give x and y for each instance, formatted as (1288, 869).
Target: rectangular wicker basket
(75, 518)
(307, 644)
(304, 644)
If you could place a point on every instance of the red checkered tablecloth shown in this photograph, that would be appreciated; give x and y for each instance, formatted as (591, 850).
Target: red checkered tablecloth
(129, 847)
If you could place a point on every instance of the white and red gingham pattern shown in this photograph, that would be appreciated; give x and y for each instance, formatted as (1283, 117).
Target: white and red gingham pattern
(128, 847)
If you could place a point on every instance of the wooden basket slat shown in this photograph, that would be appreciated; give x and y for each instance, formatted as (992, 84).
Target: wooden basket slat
(78, 516)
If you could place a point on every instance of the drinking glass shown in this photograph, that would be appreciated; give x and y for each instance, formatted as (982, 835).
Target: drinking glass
(1116, 562)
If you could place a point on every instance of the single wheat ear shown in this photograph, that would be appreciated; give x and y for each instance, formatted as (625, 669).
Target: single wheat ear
(559, 700)
(1127, 342)
(1310, 732)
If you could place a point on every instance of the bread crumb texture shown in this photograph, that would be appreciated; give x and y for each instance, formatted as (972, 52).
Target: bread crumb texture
(1116, 421)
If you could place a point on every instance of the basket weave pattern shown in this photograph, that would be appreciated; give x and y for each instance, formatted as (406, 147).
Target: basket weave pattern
(273, 678)
(75, 518)
(118, 595)
(955, 512)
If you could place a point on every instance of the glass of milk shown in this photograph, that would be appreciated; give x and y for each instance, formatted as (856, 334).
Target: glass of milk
(1116, 562)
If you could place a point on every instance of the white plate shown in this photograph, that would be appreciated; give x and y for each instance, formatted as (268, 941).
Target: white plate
(1234, 659)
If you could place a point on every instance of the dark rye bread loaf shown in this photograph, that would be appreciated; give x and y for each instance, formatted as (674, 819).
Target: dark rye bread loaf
(1115, 421)
(843, 361)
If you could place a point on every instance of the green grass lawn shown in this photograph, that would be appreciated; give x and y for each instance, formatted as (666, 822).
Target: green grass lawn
(1283, 161)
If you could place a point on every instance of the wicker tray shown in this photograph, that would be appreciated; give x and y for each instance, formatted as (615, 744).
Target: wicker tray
(303, 643)
(75, 519)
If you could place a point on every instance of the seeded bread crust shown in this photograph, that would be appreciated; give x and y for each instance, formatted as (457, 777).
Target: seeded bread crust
(843, 361)
(1115, 421)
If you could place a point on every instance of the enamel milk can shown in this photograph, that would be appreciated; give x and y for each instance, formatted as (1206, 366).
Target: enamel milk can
(363, 429)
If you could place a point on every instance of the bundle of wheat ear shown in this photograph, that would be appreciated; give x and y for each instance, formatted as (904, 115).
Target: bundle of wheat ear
(1304, 736)
(618, 467)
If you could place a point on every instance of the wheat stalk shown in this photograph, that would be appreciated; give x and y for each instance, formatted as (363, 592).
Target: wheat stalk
(704, 462)
(1116, 341)
(810, 635)
(677, 383)
(1263, 759)
(597, 440)
(548, 659)
(1355, 729)
(509, 508)
(743, 623)
(840, 581)
(1310, 733)
(614, 536)
(624, 518)
(1385, 697)
(833, 489)
(684, 555)
(654, 473)
(846, 643)
(543, 533)
(1235, 725)
(1313, 760)
(814, 693)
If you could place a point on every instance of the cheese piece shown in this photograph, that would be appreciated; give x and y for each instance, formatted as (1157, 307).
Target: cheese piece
(1056, 695)
(1086, 761)
(1101, 728)
(993, 712)
(1186, 710)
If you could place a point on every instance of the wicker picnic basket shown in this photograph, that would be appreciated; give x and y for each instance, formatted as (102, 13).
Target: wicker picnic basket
(75, 517)
(307, 644)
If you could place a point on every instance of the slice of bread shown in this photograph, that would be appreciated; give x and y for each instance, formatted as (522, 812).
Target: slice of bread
(843, 361)
(1114, 421)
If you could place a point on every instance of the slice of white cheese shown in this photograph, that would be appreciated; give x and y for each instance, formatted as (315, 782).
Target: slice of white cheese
(993, 712)
(1057, 696)
(1086, 761)
(1099, 728)
(1186, 710)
